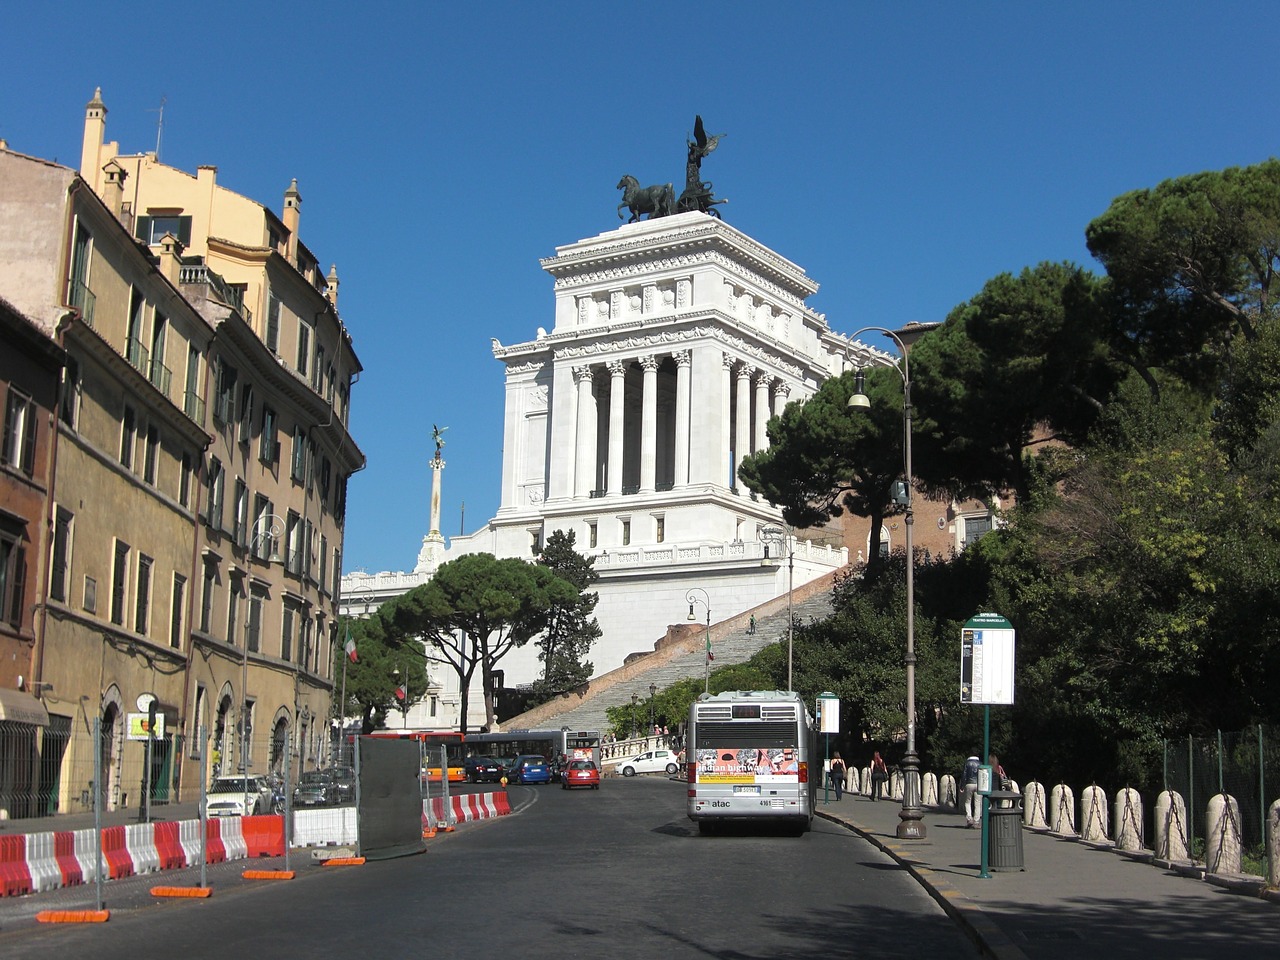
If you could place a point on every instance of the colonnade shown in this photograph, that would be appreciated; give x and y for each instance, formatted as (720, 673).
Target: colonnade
(675, 435)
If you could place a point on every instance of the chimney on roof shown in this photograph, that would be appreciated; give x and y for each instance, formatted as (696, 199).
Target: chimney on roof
(114, 177)
(171, 257)
(332, 281)
(95, 126)
(292, 212)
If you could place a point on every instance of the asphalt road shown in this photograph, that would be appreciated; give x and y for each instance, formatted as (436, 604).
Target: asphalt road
(619, 873)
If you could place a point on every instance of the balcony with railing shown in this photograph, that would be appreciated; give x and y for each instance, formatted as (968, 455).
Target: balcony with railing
(160, 375)
(136, 352)
(193, 407)
(82, 298)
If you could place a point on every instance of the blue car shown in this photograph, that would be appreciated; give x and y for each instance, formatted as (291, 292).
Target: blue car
(529, 768)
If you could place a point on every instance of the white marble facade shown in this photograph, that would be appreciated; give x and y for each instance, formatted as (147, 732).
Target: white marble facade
(674, 342)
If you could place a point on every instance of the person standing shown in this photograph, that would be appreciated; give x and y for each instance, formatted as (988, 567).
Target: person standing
(969, 778)
(879, 775)
(837, 773)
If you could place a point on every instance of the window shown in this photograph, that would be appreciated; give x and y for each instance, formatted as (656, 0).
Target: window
(592, 534)
(176, 611)
(216, 479)
(128, 431)
(304, 645)
(224, 401)
(61, 555)
(317, 375)
(328, 393)
(142, 610)
(337, 572)
(192, 405)
(79, 295)
(269, 448)
(293, 544)
(298, 470)
(19, 446)
(233, 611)
(152, 230)
(119, 579)
(134, 350)
(660, 532)
(308, 546)
(253, 632)
(13, 577)
(184, 481)
(340, 501)
(262, 537)
(288, 626)
(324, 562)
(158, 373)
(70, 392)
(246, 412)
(273, 323)
(626, 532)
(304, 348)
(206, 599)
(150, 455)
(974, 528)
(324, 478)
(240, 520)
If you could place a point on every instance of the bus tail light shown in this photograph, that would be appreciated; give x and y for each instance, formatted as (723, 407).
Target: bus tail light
(693, 771)
(804, 771)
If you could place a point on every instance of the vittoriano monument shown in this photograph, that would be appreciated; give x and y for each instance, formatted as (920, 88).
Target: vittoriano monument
(660, 200)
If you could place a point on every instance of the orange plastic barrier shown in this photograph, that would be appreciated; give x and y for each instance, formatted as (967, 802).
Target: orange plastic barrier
(15, 875)
(169, 847)
(116, 853)
(215, 851)
(264, 835)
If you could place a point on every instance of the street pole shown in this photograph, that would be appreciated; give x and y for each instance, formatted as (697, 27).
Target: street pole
(911, 816)
(705, 600)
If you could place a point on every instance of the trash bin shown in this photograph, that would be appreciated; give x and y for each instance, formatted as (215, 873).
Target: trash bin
(1004, 830)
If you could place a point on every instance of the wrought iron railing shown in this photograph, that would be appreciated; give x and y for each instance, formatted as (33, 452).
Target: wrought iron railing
(82, 298)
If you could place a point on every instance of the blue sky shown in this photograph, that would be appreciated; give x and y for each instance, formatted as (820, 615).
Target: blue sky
(902, 154)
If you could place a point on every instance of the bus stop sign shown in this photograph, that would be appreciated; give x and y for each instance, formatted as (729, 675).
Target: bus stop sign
(986, 660)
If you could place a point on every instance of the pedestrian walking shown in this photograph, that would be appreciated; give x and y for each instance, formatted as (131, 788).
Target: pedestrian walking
(838, 773)
(879, 775)
(969, 778)
(751, 627)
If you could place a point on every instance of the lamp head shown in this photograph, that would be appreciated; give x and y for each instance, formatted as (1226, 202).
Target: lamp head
(691, 616)
(859, 398)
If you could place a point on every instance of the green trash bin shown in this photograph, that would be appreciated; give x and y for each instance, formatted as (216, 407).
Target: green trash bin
(1004, 830)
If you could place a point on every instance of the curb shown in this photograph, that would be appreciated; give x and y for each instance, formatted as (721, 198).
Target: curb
(980, 928)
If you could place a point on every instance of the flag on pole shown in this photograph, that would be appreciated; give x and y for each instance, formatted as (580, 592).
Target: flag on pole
(710, 656)
(350, 646)
(400, 692)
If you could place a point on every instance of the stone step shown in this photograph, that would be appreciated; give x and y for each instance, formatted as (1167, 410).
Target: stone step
(735, 648)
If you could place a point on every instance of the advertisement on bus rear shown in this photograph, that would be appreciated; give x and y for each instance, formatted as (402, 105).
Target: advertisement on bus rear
(773, 765)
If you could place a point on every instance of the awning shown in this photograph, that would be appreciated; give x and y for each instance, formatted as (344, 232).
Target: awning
(22, 708)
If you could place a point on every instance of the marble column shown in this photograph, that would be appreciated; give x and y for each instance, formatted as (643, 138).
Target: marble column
(684, 360)
(780, 394)
(725, 474)
(742, 440)
(564, 432)
(617, 391)
(762, 410)
(585, 454)
(649, 425)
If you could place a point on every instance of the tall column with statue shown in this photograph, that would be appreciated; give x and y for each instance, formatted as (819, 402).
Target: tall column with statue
(432, 551)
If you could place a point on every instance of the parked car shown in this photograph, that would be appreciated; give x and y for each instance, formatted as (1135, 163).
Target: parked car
(580, 773)
(344, 784)
(315, 789)
(529, 768)
(654, 761)
(226, 797)
(481, 769)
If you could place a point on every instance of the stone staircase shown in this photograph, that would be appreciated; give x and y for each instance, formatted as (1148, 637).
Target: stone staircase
(730, 643)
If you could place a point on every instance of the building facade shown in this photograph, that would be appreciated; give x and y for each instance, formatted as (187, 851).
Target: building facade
(200, 458)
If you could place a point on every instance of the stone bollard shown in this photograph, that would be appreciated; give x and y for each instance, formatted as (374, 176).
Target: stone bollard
(1062, 810)
(1222, 842)
(894, 787)
(929, 790)
(948, 795)
(1033, 811)
(1094, 824)
(1127, 817)
(1171, 828)
(853, 781)
(1273, 846)
(866, 782)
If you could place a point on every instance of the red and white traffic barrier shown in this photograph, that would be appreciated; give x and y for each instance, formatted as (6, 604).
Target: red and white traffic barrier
(140, 841)
(472, 806)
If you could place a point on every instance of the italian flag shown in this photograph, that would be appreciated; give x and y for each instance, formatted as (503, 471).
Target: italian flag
(710, 656)
(350, 646)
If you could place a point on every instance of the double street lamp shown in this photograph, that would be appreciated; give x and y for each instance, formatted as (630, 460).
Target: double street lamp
(911, 817)
(785, 537)
(705, 600)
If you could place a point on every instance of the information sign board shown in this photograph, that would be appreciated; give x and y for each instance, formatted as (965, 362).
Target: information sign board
(986, 660)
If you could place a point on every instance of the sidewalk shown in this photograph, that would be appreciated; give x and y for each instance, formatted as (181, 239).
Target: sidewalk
(1071, 899)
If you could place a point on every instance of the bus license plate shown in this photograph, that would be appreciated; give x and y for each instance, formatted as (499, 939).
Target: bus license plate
(753, 789)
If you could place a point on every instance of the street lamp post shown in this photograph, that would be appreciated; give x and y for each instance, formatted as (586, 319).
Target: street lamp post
(786, 537)
(635, 698)
(270, 536)
(911, 824)
(653, 691)
(705, 600)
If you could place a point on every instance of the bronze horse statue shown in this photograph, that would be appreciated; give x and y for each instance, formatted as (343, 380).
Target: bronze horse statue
(658, 200)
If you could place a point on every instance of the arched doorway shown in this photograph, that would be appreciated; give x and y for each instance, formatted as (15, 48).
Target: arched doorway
(279, 742)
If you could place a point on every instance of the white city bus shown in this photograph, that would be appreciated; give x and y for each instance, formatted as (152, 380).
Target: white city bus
(749, 754)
